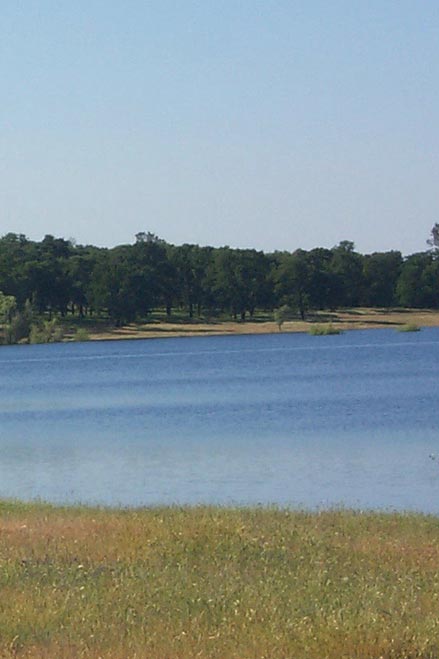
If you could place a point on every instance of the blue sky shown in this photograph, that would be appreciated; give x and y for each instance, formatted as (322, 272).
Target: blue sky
(274, 124)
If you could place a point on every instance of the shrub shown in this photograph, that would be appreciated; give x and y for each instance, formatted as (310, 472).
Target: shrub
(410, 327)
(324, 330)
(49, 331)
(18, 328)
(81, 334)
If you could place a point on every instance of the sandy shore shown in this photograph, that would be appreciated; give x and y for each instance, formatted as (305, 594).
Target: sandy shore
(345, 320)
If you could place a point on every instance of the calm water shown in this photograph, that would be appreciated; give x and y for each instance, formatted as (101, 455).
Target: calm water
(285, 419)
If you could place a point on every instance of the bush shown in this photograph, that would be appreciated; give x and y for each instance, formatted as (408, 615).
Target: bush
(49, 331)
(19, 326)
(81, 335)
(324, 330)
(410, 327)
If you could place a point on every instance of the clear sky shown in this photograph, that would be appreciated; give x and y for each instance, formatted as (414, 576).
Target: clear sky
(273, 124)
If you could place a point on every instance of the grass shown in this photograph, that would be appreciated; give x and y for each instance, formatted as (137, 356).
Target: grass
(180, 583)
(324, 330)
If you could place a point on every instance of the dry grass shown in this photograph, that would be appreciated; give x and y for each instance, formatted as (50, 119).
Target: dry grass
(344, 320)
(217, 583)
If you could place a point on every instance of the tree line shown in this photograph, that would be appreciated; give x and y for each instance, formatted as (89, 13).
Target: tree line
(125, 283)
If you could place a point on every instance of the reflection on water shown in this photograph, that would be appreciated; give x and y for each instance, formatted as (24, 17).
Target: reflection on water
(285, 419)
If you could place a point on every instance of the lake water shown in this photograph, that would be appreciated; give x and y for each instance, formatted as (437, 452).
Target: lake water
(286, 419)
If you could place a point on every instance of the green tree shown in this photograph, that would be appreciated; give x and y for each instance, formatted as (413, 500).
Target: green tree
(241, 281)
(19, 323)
(8, 306)
(322, 286)
(381, 272)
(155, 276)
(282, 315)
(417, 285)
(190, 263)
(80, 268)
(15, 252)
(292, 280)
(433, 241)
(116, 287)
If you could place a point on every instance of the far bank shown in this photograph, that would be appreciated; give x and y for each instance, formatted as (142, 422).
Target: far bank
(346, 319)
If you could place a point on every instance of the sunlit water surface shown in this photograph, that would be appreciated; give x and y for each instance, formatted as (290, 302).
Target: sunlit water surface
(284, 419)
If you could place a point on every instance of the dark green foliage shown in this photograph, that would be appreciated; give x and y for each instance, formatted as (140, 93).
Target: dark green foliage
(418, 284)
(189, 271)
(323, 282)
(80, 270)
(282, 315)
(8, 305)
(292, 280)
(129, 281)
(116, 286)
(381, 272)
(241, 281)
(347, 266)
(18, 325)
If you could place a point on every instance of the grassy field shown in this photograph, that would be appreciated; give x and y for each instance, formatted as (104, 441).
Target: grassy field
(178, 583)
(159, 327)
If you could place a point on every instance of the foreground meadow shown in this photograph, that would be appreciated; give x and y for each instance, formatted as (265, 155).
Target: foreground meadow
(179, 583)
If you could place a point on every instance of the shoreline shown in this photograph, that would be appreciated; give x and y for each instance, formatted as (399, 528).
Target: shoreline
(344, 320)
(161, 328)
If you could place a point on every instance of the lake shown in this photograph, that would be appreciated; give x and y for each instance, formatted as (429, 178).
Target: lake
(285, 419)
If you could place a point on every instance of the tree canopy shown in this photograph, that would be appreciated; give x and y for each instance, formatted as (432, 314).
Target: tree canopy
(56, 276)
